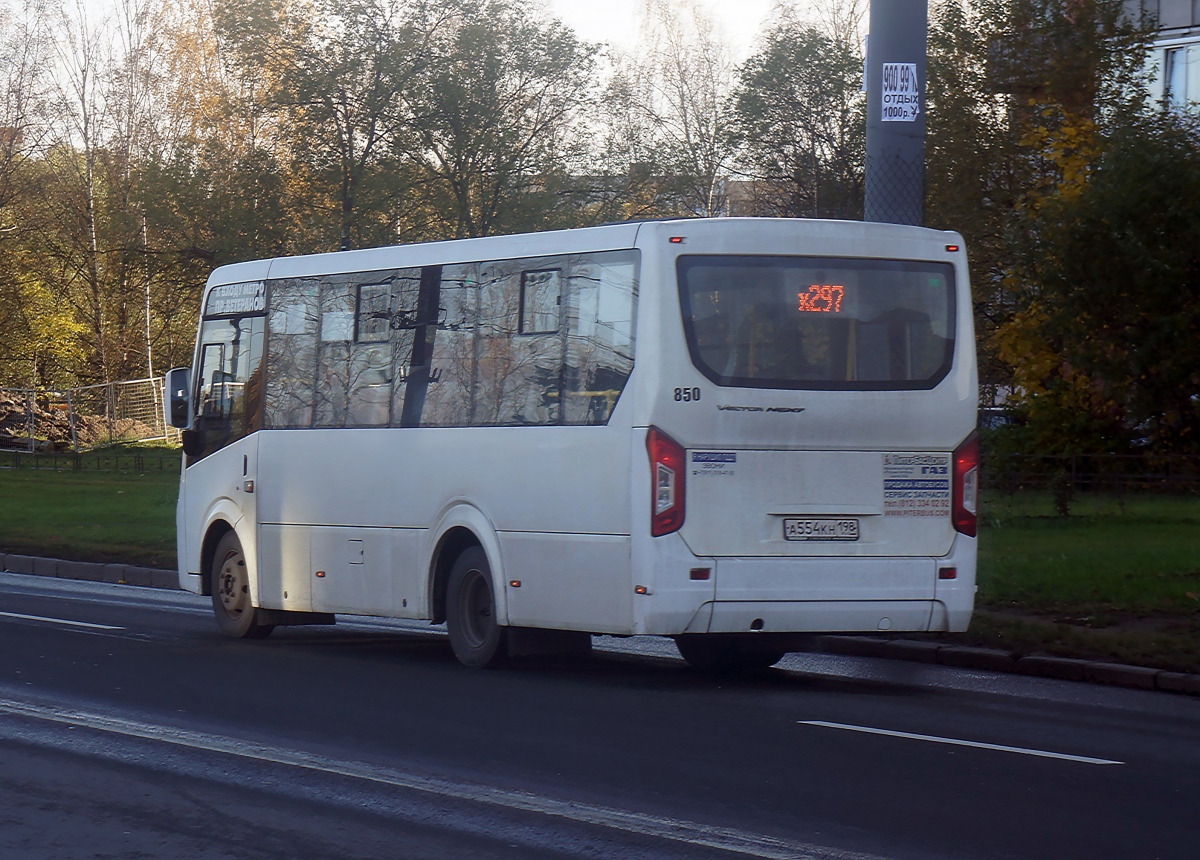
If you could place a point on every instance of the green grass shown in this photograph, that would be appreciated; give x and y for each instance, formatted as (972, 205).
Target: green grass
(1117, 580)
(1137, 556)
(90, 516)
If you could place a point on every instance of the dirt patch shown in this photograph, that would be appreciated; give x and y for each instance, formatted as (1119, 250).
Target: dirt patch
(51, 430)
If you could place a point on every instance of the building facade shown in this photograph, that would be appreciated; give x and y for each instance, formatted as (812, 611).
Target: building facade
(1175, 56)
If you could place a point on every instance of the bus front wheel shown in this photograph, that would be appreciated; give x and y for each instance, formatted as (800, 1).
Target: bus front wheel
(478, 639)
(231, 592)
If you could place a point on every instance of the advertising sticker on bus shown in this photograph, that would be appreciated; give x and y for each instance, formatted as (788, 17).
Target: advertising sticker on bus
(916, 485)
(707, 464)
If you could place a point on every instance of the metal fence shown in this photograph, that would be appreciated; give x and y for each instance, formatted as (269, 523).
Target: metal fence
(78, 419)
(1100, 473)
(1068, 480)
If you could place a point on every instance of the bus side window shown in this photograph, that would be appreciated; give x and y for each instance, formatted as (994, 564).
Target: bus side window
(447, 399)
(517, 372)
(601, 301)
(292, 353)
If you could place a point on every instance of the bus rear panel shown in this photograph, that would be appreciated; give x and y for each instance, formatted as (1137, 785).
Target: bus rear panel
(815, 400)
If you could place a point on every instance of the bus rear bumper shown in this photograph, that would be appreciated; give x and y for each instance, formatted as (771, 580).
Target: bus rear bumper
(819, 616)
(830, 595)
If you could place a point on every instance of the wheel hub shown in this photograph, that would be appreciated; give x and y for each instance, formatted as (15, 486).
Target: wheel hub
(232, 585)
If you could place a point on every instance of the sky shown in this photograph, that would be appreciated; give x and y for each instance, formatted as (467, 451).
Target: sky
(616, 21)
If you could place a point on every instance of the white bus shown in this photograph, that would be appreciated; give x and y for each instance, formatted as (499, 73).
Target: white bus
(728, 431)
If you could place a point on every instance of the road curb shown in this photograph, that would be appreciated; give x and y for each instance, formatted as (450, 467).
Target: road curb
(913, 650)
(89, 571)
(997, 660)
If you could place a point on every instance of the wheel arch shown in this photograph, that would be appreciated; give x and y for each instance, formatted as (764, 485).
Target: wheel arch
(217, 529)
(462, 526)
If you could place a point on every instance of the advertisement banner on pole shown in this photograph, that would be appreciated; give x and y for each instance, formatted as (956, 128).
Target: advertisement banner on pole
(901, 93)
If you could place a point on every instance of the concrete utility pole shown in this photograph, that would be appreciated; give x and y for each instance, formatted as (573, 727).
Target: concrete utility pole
(895, 170)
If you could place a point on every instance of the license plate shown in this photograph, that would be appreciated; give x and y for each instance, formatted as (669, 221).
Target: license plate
(820, 528)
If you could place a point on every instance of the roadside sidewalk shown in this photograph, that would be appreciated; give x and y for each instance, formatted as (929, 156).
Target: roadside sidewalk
(919, 651)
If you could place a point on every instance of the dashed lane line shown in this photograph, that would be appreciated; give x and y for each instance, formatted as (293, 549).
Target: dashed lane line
(64, 621)
(958, 742)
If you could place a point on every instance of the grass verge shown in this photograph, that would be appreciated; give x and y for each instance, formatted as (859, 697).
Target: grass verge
(124, 517)
(1139, 557)
(1118, 581)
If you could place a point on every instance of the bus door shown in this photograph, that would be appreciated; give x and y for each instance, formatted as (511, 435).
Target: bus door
(221, 468)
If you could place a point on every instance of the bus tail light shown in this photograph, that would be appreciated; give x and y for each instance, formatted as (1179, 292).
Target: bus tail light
(667, 460)
(966, 487)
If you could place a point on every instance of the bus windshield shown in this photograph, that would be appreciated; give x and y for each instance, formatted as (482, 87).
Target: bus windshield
(817, 322)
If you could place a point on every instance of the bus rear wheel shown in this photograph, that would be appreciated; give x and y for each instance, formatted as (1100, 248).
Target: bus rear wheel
(727, 652)
(478, 639)
(235, 613)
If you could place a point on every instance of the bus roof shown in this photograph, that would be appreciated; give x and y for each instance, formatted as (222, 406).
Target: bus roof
(608, 237)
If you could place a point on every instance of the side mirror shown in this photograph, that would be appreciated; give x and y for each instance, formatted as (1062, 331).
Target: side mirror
(178, 400)
(193, 442)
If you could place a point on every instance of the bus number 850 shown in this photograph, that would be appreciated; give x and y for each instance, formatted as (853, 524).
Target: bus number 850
(686, 395)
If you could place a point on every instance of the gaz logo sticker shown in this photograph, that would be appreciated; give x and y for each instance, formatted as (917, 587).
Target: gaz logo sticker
(916, 485)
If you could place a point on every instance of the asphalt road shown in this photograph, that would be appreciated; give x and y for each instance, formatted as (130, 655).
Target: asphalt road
(129, 728)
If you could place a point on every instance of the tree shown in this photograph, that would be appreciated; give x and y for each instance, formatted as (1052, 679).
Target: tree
(976, 171)
(662, 124)
(490, 113)
(219, 183)
(69, 215)
(801, 119)
(1072, 72)
(334, 71)
(682, 88)
(629, 178)
(1115, 315)
(27, 357)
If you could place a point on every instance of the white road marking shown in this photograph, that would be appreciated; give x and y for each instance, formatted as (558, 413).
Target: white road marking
(639, 823)
(60, 621)
(961, 743)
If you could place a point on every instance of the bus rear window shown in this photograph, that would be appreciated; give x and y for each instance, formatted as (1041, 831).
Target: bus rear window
(817, 322)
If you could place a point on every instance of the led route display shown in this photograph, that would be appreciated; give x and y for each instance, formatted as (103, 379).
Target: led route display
(822, 298)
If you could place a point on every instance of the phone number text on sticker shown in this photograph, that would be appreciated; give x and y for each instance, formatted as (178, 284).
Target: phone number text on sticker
(820, 529)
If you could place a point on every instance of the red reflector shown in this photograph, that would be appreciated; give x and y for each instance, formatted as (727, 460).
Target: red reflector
(701, 573)
(951, 248)
(641, 589)
(514, 583)
(947, 573)
(676, 240)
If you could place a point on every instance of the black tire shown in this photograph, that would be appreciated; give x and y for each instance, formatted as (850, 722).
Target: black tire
(235, 613)
(478, 640)
(727, 652)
